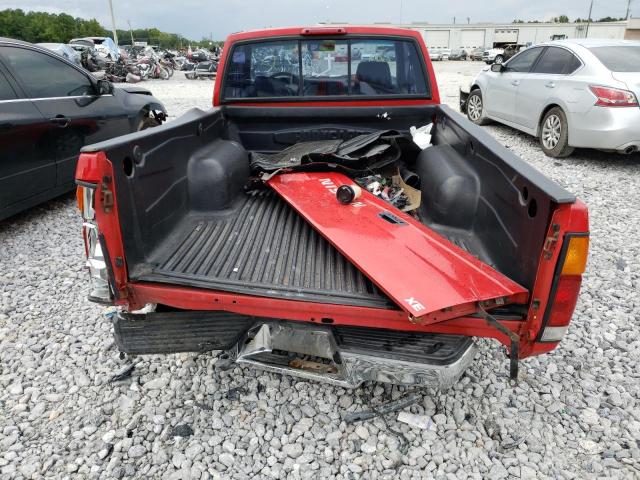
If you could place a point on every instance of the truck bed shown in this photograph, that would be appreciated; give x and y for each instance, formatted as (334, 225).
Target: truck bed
(187, 219)
(261, 247)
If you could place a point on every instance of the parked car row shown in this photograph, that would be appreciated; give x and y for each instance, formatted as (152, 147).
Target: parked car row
(568, 93)
(439, 54)
(488, 55)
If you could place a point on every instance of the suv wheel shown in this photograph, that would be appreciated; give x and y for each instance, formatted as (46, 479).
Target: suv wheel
(554, 134)
(475, 108)
(499, 59)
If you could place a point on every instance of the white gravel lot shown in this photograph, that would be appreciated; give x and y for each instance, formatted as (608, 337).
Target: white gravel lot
(574, 414)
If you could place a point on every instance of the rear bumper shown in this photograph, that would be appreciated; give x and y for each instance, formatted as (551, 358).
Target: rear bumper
(606, 128)
(342, 356)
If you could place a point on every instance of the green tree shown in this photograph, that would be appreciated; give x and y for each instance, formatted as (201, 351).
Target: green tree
(60, 28)
(610, 19)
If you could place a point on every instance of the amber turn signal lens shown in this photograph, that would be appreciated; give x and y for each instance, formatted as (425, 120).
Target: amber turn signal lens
(575, 261)
(80, 199)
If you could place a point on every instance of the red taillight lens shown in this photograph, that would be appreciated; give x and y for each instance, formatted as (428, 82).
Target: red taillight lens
(324, 31)
(563, 306)
(613, 97)
(566, 287)
(565, 302)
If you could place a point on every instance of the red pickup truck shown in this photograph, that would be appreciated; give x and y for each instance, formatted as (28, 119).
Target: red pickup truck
(300, 228)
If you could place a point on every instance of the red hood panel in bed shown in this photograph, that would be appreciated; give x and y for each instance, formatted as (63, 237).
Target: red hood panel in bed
(426, 275)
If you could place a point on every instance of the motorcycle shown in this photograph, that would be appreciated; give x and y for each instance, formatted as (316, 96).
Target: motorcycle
(150, 67)
(167, 61)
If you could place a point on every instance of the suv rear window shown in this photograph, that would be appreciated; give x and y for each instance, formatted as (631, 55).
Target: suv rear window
(621, 58)
(325, 67)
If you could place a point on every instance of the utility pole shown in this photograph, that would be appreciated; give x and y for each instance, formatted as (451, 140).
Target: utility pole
(468, 20)
(400, 12)
(628, 9)
(589, 19)
(454, 20)
(113, 23)
(131, 32)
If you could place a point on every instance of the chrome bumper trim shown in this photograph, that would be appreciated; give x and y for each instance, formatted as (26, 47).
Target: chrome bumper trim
(259, 348)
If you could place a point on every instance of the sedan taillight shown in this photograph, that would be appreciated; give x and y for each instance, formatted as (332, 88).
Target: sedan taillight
(613, 97)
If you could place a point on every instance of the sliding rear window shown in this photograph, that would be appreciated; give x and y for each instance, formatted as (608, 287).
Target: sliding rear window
(621, 58)
(312, 67)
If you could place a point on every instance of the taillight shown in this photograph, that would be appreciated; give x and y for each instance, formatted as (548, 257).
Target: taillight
(96, 265)
(84, 197)
(565, 288)
(575, 259)
(613, 97)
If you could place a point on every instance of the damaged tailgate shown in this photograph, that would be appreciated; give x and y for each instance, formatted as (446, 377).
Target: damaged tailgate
(423, 273)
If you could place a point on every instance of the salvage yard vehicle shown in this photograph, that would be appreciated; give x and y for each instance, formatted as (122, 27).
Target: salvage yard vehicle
(105, 46)
(500, 54)
(49, 109)
(304, 227)
(65, 51)
(435, 55)
(568, 93)
(89, 57)
(458, 54)
(476, 53)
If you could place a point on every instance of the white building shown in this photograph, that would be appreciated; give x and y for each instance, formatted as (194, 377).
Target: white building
(475, 35)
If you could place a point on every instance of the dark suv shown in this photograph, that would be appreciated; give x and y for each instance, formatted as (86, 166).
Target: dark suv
(50, 109)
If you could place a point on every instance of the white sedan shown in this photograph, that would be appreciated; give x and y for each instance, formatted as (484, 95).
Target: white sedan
(568, 93)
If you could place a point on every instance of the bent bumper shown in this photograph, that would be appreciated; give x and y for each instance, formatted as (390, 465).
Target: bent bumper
(339, 355)
(606, 128)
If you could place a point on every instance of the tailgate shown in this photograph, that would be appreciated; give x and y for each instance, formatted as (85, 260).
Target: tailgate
(426, 275)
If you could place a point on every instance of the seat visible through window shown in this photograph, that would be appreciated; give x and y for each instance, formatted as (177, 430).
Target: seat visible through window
(373, 78)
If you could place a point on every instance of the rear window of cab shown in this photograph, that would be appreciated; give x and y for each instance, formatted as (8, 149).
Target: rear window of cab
(315, 67)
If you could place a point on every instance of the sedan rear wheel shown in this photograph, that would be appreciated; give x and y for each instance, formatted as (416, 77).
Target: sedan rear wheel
(554, 134)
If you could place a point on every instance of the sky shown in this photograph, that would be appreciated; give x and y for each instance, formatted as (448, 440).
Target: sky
(200, 18)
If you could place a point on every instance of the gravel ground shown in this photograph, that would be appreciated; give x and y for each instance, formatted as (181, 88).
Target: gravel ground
(575, 414)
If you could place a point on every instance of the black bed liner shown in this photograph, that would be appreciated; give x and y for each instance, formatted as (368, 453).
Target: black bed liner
(264, 248)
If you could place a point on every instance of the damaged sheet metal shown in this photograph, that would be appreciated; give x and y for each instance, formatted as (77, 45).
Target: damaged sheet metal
(313, 352)
(427, 276)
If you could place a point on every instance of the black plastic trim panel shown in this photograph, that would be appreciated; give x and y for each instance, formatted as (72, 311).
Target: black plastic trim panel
(173, 332)
(431, 348)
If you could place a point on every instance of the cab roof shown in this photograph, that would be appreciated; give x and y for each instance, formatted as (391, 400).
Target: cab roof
(319, 30)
